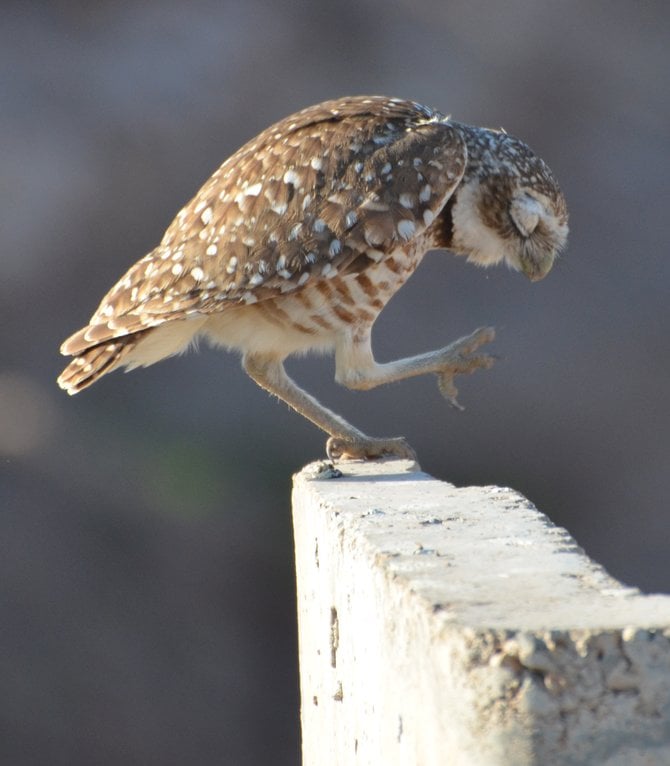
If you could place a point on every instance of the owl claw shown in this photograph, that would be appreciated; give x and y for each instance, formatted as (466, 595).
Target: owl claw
(460, 360)
(445, 382)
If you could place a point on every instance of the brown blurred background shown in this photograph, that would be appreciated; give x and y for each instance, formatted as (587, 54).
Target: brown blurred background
(146, 581)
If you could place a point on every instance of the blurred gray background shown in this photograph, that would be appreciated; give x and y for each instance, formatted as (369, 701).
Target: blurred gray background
(147, 596)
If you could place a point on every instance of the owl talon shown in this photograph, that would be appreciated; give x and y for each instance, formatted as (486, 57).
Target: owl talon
(460, 360)
(366, 448)
(445, 382)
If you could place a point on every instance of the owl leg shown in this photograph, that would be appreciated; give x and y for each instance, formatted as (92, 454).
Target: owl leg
(345, 442)
(356, 367)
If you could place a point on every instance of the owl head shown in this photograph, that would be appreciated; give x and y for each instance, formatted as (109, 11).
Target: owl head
(508, 207)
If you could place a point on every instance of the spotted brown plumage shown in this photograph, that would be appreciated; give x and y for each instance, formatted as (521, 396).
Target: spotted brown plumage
(299, 239)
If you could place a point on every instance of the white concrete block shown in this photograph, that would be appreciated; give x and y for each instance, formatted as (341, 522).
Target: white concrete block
(458, 627)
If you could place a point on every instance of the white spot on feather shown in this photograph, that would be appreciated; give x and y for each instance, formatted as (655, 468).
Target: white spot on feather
(291, 177)
(375, 205)
(254, 190)
(406, 229)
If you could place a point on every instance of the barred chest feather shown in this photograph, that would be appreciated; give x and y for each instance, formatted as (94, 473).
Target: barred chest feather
(311, 320)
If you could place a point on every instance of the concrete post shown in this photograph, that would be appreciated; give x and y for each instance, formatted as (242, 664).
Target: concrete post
(458, 627)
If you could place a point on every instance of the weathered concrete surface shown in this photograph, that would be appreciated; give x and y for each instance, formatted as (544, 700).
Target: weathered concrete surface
(460, 627)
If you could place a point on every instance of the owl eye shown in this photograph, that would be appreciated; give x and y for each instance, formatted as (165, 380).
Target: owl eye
(525, 212)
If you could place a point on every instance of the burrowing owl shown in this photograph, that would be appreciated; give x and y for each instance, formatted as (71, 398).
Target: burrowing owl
(298, 240)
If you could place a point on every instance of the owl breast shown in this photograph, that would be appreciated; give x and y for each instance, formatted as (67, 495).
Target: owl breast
(311, 320)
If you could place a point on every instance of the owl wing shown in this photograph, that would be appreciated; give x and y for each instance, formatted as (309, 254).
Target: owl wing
(322, 192)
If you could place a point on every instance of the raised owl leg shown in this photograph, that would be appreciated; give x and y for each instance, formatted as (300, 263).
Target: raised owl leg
(356, 366)
(345, 441)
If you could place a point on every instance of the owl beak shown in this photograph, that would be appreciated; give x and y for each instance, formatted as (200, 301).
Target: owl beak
(537, 270)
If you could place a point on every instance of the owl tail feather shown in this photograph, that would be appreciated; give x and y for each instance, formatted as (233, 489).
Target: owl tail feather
(94, 362)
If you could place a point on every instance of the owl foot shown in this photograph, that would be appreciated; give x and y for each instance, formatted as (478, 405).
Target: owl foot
(459, 359)
(367, 448)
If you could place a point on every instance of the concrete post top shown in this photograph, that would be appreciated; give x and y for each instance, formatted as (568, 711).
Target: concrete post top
(484, 557)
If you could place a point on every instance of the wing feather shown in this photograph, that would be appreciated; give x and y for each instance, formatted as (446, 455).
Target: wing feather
(315, 193)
